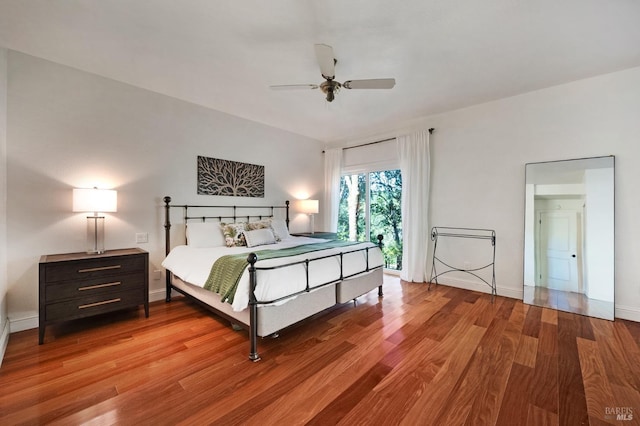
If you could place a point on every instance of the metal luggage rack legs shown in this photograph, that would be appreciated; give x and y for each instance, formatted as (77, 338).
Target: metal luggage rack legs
(473, 233)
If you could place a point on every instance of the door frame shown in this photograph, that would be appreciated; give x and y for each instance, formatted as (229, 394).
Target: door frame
(579, 241)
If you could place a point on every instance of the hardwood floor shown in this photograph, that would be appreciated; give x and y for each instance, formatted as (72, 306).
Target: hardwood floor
(568, 301)
(443, 357)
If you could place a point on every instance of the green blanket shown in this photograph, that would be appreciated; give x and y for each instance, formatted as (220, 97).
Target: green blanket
(226, 271)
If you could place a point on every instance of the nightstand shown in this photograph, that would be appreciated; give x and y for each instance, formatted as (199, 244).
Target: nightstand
(325, 235)
(79, 285)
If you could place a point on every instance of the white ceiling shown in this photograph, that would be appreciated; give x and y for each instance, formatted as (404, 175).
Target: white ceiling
(224, 54)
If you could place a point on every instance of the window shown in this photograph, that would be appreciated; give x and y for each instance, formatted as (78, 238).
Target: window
(370, 204)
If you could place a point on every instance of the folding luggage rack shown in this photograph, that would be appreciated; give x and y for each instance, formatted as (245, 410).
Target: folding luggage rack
(473, 233)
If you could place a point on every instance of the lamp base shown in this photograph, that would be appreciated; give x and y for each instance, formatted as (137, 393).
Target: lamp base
(95, 234)
(312, 224)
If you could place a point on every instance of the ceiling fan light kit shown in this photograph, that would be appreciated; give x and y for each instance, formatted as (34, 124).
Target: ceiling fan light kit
(330, 88)
(327, 62)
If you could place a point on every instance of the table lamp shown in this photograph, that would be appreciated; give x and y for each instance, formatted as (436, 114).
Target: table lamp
(97, 201)
(309, 207)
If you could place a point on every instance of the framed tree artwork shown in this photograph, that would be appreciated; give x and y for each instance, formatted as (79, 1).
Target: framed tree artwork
(230, 178)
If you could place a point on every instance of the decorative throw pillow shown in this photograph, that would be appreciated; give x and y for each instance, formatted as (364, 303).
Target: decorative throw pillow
(204, 234)
(259, 224)
(280, 229)
(259, 237)
(233, 234)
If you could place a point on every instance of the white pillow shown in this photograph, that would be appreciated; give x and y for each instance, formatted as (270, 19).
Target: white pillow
(204, 234)
(259, 237)
(280, 229)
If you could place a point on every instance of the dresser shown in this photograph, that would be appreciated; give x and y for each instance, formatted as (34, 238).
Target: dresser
(79, 285)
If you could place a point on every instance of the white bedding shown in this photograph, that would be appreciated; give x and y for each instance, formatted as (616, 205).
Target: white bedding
(193, 265)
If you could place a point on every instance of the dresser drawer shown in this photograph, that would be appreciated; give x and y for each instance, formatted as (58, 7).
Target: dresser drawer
(94, 304)
(82, 288)
(79, 285)
(94, 268)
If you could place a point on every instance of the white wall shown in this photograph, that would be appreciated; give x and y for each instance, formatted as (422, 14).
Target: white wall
(479, 156)
(68, 128)
(4, 323)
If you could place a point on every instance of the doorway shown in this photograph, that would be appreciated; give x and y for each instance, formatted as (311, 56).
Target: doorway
(559, 250)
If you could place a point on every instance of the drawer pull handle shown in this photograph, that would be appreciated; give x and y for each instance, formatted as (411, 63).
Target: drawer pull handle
(92, 287)
(104, 302)
(102, 268)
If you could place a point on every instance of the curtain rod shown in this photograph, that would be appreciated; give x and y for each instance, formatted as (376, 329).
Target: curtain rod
(375, 142)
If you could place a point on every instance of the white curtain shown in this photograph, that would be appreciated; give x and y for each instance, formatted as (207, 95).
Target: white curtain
(332, 174)
(413, 152)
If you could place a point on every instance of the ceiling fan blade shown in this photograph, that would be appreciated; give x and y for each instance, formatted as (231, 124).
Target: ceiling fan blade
(375, 83)
(294, 87)
(326, 60)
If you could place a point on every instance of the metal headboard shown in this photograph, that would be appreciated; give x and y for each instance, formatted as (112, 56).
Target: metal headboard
(218, 212)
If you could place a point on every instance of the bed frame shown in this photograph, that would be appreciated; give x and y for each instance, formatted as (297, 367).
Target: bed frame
(272, 318)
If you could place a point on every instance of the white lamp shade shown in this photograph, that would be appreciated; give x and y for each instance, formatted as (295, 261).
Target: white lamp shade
(95, 200)
(308, 206)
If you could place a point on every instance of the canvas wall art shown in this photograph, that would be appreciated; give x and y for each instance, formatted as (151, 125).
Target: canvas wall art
(230, 178)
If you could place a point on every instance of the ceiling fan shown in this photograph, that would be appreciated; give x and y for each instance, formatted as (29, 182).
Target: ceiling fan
(330, 87)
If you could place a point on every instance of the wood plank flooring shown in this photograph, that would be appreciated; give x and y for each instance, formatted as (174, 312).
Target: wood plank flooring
(568, 301)
(415, 357)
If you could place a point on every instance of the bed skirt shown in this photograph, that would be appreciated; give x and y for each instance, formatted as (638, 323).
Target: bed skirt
(273, 318)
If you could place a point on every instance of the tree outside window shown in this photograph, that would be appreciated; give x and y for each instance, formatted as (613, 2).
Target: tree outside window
(370, 204)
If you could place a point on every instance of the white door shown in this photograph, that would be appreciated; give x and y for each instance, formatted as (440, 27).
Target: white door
(558, 250)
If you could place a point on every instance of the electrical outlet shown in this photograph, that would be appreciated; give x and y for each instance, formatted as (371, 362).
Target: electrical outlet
(157, 275)
(142, 237)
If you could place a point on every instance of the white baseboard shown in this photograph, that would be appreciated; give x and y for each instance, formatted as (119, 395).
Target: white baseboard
(4, 339)
(482, 287)
(628, 313)
(155, 295)
(26, 321)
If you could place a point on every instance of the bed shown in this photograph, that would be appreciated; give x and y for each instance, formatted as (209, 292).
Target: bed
(264, 279)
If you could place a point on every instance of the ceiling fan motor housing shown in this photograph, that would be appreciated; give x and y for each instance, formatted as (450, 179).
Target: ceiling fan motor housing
(330, 88)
